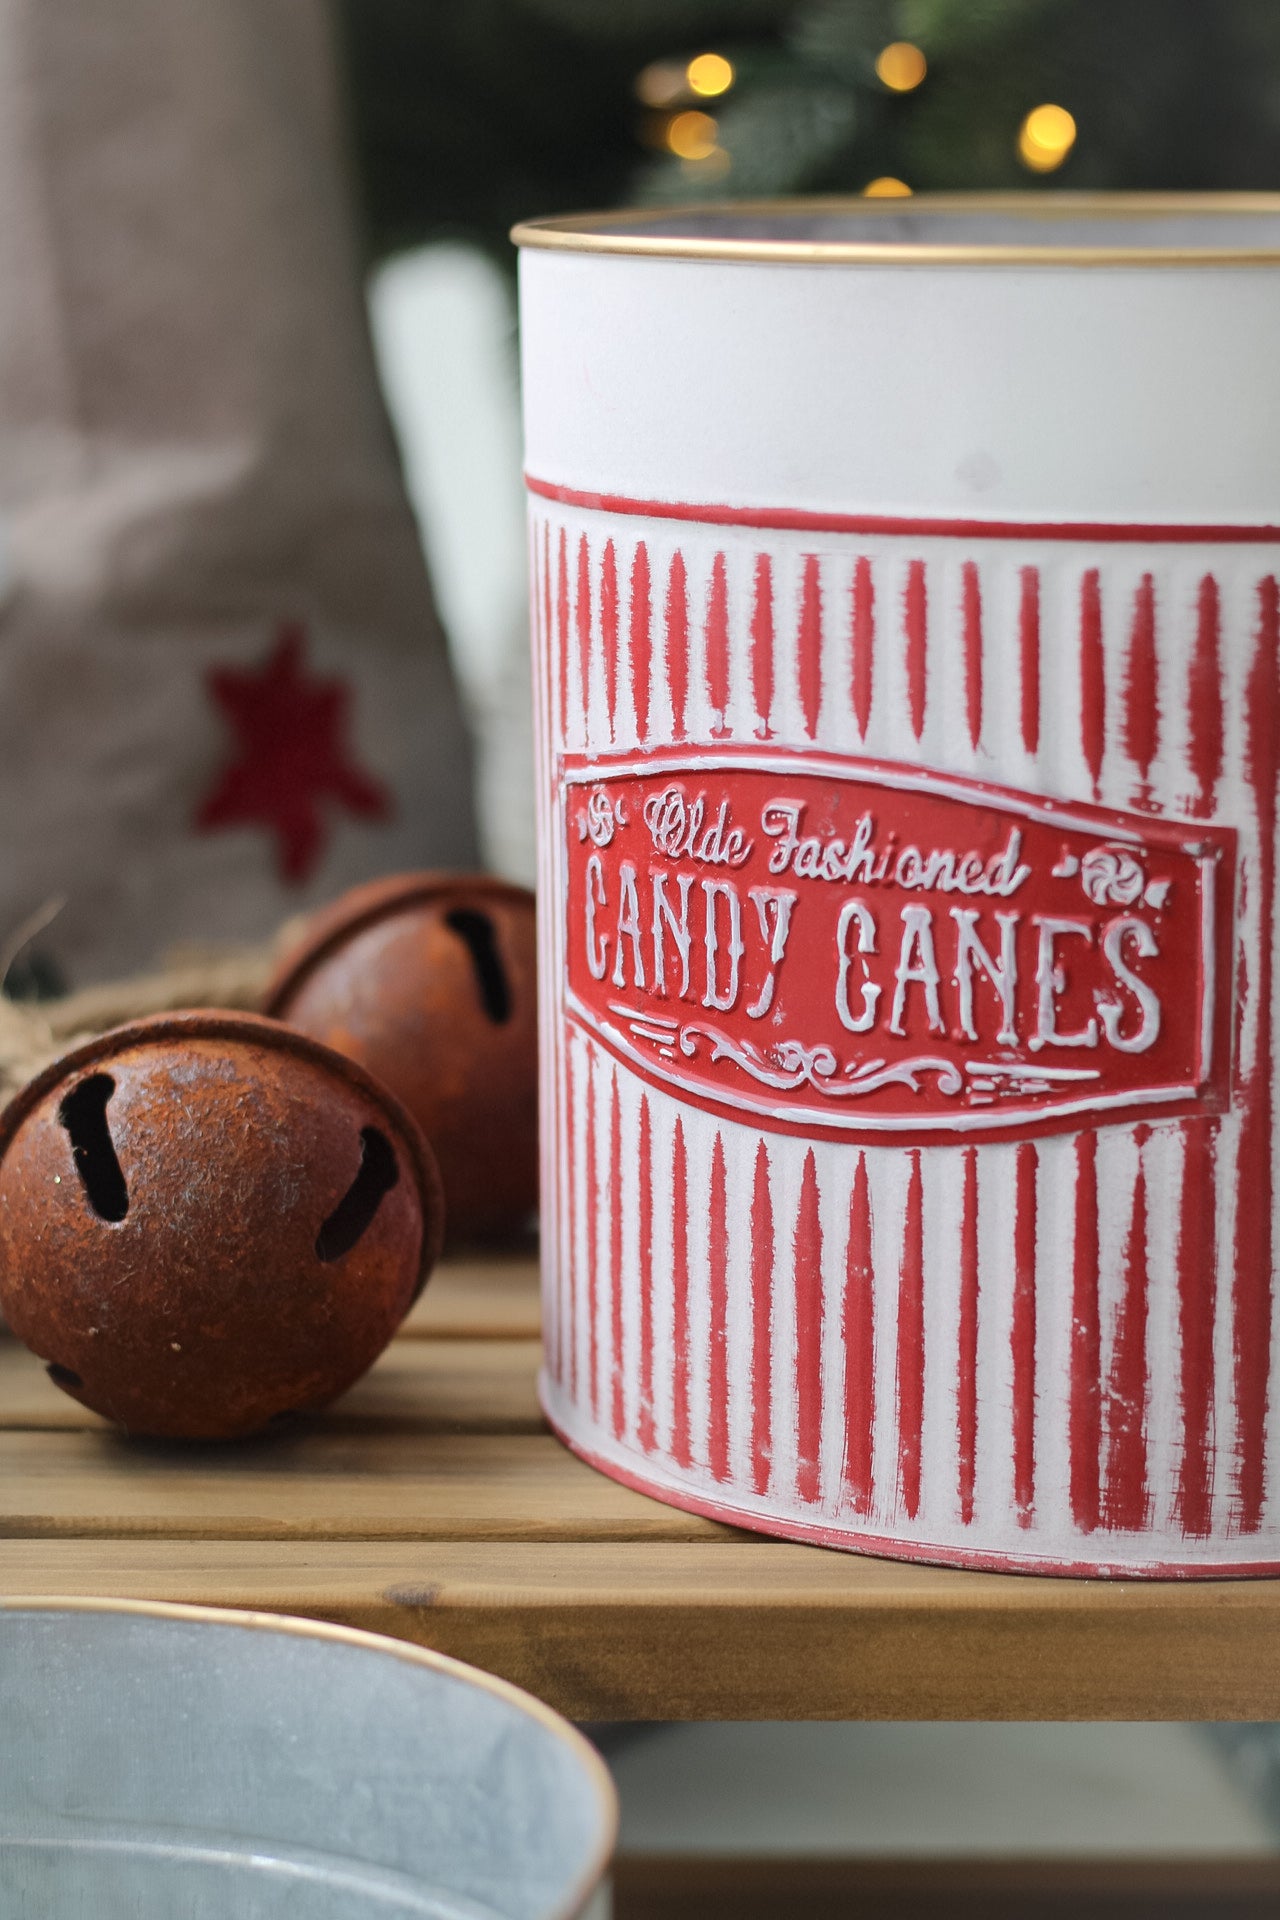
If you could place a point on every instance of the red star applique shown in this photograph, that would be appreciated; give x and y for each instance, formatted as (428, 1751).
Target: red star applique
(292, 754)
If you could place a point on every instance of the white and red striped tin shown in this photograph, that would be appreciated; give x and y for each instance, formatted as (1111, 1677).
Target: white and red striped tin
(908, 680)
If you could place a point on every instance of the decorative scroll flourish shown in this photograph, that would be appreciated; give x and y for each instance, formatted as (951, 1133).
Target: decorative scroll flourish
(791, 1064)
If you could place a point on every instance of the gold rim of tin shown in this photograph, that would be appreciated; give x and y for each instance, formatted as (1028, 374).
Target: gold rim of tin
(597, 1772)
(600, 232)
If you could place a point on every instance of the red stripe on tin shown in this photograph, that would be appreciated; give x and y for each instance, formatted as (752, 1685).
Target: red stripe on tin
(568, 1364)
(591, 1197)
(1126, 1499)
(715, 514)
(1204, 698)
(680, 1449)
(762, 643)
(645, 1429)
(609, 632)
(808, 1308)
(718, 1359)
(562, 632)
(547, 628)
(1253, 1285)
(1141, 712)
(1023, 1334)
(1084, 1424)
(860, 1347)
(641, 641)
(582, 612)
(971, 609)
(809, 644)
(1093, 679)
(911, 1342)
(677, 623)
(1197, 1265)
(915, 621)
(967, 1380)
(761, 1323)
(1029, 657)
(1198, 1225)
(717, 637)
(615, 1256)
(863, 637)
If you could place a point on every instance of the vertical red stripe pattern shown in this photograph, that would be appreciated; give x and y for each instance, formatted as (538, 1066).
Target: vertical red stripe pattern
(591, 1201)
(971, 621)
(1029, 658)
(718, 1271)
(911, 1342)
(680, 1358)
(915, 622)
(1093, 679)
(1204, 699)
(615, 1258)
(1125, 1497)
(860, 1347)
(1198, 1215)
(1197, 1236)
(808, 1330)
(646, 1429)
(809, 645)
(582, 610)
(1085, 1427)
(1023, 1334)
(967, 1367)
(762, 642)
(717, 638)
(1253, 1290)
(568, 1369)
(562, 631)
(678, 642)
(609, 631)
(1141, 715)
(762, 1254)
(863, 643)
(641, 642)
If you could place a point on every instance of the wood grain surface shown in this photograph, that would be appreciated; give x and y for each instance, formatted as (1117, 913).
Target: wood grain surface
(432, 1504)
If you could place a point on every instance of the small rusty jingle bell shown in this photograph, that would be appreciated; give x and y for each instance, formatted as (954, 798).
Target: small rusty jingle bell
(430, 981)
(207, 1222)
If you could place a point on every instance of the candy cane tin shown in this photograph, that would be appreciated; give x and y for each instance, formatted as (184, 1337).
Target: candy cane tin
(908, 634)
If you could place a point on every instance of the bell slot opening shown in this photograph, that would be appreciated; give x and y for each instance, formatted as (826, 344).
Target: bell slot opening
(478, 934)
(353, 1215)
(84, 1115)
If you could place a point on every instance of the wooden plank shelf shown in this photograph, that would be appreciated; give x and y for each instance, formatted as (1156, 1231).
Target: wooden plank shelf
(432, 1504)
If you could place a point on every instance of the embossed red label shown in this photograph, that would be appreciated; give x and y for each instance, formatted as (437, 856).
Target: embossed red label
(850, 948)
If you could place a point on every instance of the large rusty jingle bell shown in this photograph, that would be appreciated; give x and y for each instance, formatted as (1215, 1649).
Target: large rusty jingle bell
(207, 1222)
(430, 981)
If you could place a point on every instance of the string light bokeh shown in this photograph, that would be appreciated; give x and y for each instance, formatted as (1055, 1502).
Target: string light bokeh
(1045, 138)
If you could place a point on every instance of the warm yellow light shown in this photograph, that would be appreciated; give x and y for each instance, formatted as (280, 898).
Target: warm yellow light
(692, 135)
(661, 84)
(900, 67)
(886, 188)
(709, 74)
(1045, 138)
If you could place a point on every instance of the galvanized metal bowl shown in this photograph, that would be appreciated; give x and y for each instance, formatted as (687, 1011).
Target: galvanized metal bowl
(158, 1761)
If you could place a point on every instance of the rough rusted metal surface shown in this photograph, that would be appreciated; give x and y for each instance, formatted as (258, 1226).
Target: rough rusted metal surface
(429, 981)
(208, 1221)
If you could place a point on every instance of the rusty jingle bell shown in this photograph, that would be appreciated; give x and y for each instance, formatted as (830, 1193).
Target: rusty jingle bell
(208, 1222)
(429, 981)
